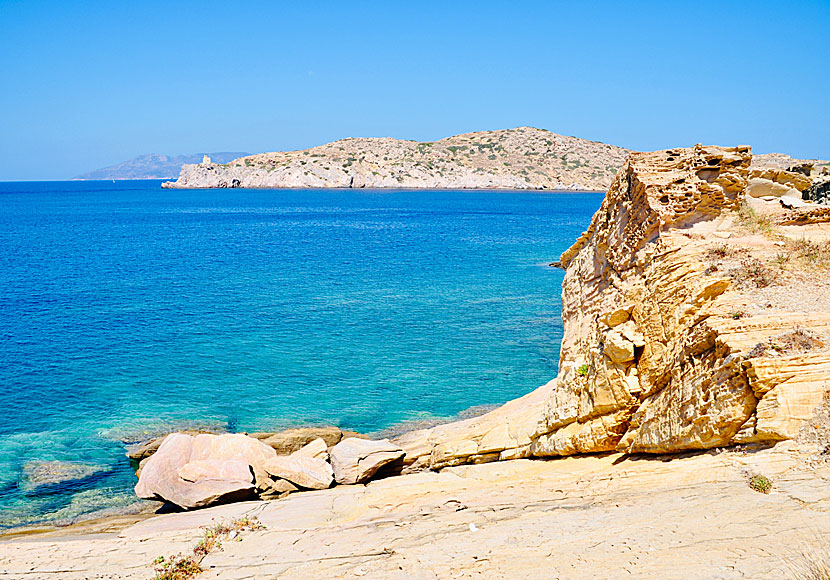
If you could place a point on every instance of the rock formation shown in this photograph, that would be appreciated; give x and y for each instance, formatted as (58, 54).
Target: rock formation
(659, 354)
(677, 336)
(521, 158)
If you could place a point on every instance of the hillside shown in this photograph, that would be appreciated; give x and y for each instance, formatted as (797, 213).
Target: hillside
(154, 166)
(521, 158)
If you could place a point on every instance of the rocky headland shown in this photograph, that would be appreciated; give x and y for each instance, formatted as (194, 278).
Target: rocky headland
(520, 158)
(687, 433)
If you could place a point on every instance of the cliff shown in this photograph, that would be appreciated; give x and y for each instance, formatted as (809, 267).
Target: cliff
(681, 326)
(521, 158)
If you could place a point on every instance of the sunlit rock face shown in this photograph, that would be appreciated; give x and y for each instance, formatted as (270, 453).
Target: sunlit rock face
(657, 354)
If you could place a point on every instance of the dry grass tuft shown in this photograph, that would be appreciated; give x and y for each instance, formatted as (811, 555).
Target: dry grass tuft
(810, 254)
(181, 567)
(753, 272)
(812, 564)
(754, 222)
(796, 341)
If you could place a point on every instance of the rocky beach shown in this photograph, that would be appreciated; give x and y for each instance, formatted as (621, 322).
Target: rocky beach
(685, 435)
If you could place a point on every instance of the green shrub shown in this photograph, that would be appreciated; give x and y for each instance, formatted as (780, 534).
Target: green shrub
(760, 483)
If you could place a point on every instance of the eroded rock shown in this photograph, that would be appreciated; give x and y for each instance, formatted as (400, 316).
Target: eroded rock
(215, 462)
(357, 460)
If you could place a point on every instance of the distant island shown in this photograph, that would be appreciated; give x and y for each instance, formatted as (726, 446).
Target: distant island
(520, 158)
(155, 166)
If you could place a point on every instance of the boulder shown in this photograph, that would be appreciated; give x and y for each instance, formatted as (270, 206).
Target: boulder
(301, 470)
(291, 440)
(792, 202)
(231, 469)
(357, 460)
(217, 467)
(760, 187)
(144, 450)
(618, 348)
(316, 449)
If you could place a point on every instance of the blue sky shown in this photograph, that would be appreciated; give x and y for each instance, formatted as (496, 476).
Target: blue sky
(90, 84)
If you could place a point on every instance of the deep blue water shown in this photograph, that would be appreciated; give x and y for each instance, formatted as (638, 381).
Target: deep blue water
(128, 309)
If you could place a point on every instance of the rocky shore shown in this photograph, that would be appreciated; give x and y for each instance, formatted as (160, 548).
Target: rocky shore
(689, 422)
(521, 158)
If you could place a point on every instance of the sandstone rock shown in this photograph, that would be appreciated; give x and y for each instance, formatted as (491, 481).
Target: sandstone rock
(291, 440)
(792, 202)
(317, 449)
(216, 455)
(39, 474)
(302, 470)
(618, 348)
(794, 179)
(231, 469)
(357, 460)
(759, 187)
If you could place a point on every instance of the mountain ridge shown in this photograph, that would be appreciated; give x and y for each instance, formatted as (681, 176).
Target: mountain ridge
(154, 166)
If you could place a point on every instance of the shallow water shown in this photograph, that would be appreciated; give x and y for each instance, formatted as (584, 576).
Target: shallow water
(126, 310)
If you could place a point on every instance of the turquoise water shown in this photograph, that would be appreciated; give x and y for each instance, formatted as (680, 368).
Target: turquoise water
(127, 310)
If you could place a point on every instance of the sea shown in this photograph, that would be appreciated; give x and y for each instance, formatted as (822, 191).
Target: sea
(128, 310)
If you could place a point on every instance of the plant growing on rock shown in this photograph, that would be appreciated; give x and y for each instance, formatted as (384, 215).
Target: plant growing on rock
(176, 567)
(760, 483)
(181, 567)
(582, 370)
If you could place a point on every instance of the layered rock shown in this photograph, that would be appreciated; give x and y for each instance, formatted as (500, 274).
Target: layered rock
(654, 358)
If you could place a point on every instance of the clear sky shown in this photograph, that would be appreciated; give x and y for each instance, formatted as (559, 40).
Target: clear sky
(88, 84)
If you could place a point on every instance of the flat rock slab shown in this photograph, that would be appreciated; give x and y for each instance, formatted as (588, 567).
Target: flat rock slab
(304, 471)
(357, 460)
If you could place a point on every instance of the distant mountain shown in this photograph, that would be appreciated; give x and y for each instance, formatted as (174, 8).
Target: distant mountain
(156, 166)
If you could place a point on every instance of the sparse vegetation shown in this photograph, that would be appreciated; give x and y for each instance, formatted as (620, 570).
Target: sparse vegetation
(812, 564)
(185, 567)
(809, 254)
(796, 341)
(582, 370)
(753, 272)
(754, 222)
(760, 483)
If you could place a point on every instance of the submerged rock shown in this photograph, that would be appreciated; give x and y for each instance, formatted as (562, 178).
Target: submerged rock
(39, 474)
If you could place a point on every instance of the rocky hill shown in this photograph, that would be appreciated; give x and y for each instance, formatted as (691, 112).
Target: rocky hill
(521, 158)
(154, 166)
